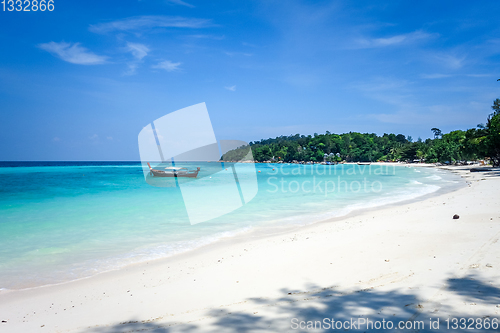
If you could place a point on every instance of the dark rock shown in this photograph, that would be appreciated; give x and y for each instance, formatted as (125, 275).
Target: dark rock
(456, 217)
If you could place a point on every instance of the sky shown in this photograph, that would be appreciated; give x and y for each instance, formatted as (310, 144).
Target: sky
(80, 82)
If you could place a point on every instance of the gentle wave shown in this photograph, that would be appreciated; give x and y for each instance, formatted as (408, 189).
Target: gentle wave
(114, 206)
(90, 268)
(311, 218)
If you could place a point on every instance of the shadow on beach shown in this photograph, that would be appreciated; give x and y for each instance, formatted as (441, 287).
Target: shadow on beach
(474, 289)
(275, 315)
(487, 171)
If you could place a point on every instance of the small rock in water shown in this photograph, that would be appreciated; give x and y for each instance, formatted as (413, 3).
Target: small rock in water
(456, 217)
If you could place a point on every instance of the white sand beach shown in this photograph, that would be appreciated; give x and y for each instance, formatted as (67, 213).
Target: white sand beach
(406, 262)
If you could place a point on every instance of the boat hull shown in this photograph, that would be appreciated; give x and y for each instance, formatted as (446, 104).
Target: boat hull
(172, 174)
(159, 173)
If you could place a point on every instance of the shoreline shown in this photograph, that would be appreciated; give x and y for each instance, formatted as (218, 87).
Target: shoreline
(276, 228)
(161, 292)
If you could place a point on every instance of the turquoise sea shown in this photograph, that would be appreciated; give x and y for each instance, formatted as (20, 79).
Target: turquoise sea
(61, 221)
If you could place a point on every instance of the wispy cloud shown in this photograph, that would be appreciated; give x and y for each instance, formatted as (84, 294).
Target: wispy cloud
(131, 68)
(168, 65)
(139, 51)
(399, 117)
(207, 37)
(381, 83)
(388, 90)
(73, 53)
(94, 137)
(434, 76)
(393, 40)
(232, 54)
(479, 75)
(231, 88)
(441, 115)
(180, 2)
(248, 44)
(450, 60)
(148, 22)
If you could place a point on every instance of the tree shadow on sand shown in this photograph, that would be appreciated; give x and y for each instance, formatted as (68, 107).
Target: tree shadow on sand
(475, 289)
(276, 314)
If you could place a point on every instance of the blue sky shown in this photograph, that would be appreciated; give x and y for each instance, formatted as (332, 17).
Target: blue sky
(79, 83)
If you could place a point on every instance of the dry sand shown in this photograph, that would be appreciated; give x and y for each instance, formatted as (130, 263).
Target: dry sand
(410, 261)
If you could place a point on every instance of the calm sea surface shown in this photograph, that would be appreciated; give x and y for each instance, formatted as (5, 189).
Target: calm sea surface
(61, 221)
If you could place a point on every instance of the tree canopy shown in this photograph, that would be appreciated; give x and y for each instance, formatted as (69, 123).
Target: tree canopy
(458, 145)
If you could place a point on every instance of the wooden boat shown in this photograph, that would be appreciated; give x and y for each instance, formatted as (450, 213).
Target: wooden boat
(174, 172)
(360, 163)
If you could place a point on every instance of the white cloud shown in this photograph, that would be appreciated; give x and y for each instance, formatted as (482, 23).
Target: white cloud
(73, 53)
(232, 54)
(434, 76)
(450, 60)
(248, 44)
(139, 51)
(388, 41)
(231, 88)
(441, 115)
(394, 40)
(109, 138)
(94, 137)
(131, 68)
(388, 90)
(180, 2)
(479, 75)
(207, 37)
(168, 65)
(56, 139)
(400, 117)
(381, 83)
(147, 22)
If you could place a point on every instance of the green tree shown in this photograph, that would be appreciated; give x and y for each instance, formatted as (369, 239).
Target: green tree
(496, 106)
(437, 132)
(492, 140)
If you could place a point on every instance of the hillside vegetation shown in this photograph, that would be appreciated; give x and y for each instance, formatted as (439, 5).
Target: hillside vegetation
(457, 146)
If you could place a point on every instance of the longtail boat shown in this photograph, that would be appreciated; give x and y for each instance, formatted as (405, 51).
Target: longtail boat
(174, 172)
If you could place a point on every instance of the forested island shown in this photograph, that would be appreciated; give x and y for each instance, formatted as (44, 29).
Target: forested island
(453, 147)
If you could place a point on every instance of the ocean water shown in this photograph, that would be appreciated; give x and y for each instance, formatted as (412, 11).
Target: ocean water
(61, 221)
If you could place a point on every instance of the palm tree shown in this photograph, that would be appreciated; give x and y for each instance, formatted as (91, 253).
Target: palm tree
(437, 132)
